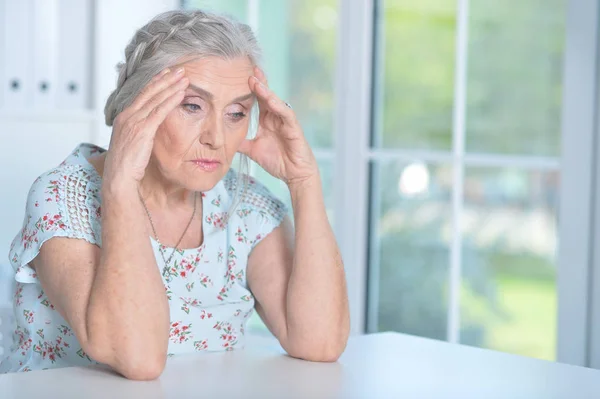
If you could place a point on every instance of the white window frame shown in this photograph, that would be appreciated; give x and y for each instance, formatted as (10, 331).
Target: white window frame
(579, 296)
(579, 256)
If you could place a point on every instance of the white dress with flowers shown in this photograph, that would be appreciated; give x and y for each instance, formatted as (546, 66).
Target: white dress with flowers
(207, 290)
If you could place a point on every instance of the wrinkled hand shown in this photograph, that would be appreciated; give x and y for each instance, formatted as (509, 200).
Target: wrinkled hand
(135, 127)
(280, 147)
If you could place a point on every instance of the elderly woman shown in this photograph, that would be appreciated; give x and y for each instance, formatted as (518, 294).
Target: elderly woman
(155, 247)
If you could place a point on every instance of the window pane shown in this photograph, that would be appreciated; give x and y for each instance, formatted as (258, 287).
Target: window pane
(298, 38)
(409, 248)
(416, 59)
(236, 8)
(514, 77)
(508, 294)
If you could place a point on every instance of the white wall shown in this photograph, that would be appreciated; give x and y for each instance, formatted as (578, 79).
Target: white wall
(35, 140)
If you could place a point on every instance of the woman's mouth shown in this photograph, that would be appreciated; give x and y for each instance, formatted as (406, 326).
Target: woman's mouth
(208, 165)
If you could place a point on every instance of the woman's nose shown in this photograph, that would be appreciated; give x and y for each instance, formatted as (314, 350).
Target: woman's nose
(212, 134)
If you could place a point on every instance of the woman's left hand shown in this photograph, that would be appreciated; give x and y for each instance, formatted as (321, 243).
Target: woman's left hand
(280, 147)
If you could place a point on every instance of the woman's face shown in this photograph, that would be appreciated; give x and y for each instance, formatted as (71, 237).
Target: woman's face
(195, 145)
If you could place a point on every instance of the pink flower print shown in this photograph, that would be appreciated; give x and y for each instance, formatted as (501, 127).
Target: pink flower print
(19, 294)
(201, 345)
(83, 355)
(228, 335)
(52, 189)
(183, 268)
(246, 298)
(189, 286)
(24, 342)
(205, 281)
(47, 304)
(168, 292)
(217, 201)
(205, 315)
(65, 330)
(37, 204)
(237, 313)
(217, 219)
(187, 302)
(40, 332)
(220, 256)
(50, 223)
(28, 237)
(26, 369)
(50, 350)
(179, 332)
(28, 314)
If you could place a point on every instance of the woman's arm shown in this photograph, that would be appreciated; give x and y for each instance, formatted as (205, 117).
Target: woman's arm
(113, 297)
(301, 294)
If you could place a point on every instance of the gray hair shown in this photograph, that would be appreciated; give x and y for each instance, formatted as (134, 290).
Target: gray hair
(168, 39)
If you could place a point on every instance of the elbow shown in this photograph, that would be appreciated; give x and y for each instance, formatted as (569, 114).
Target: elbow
(315, 354)
(322, 350)
(143, 369)
(131, 363)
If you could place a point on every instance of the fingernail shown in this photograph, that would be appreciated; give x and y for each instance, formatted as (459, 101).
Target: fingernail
(179, 71)
(165, 71)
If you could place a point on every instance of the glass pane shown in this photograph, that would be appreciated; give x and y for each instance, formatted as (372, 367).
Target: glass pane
(416, 61)
(508, 295)
(236, 8)
(514, 78)
(298, 38)
(409, 248)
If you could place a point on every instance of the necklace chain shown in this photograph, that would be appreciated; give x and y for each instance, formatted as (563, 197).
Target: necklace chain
(160, 246)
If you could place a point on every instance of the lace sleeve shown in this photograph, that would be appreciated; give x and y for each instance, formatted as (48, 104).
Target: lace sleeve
(61, 203)
(264, 211)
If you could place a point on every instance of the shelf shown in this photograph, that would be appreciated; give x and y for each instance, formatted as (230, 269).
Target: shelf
(56, 115)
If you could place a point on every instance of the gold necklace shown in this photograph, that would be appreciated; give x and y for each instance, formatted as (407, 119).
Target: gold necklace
(160, 246)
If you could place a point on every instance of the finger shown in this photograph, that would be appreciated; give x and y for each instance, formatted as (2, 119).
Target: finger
(247, 148)
(273, 103)
(160, 112)
(260, 75)
(160, 97)
(163, 81)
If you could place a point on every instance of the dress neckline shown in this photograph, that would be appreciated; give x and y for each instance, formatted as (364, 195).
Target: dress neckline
(84, 150)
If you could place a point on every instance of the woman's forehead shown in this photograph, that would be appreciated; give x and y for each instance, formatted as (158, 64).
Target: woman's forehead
(215, 70)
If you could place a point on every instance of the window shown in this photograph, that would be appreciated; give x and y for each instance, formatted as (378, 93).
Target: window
(465, 172)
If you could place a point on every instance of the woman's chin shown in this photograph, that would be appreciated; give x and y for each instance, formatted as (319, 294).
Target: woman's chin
(205, 180)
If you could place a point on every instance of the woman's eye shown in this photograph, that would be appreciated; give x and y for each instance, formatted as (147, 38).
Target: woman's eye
(192, 107)
(237, 115)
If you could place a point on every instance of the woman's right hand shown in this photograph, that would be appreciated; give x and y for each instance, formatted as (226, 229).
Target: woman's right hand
(135, 127)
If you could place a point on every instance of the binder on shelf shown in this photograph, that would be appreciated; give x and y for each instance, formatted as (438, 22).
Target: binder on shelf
(16, 25)
(45, 42)
(74, 54)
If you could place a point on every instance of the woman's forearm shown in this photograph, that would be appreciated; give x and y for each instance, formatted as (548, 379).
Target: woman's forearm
(128, 313)
(317, 302)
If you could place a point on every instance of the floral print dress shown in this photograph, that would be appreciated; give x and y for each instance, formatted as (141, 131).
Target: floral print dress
(206, 287)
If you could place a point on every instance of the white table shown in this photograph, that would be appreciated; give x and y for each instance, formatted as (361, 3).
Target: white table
(374, 366)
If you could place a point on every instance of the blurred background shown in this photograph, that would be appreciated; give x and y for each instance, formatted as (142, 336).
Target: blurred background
(444, 129)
